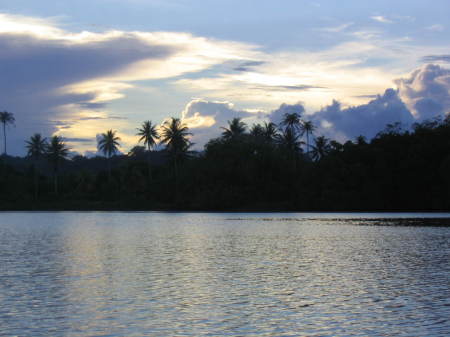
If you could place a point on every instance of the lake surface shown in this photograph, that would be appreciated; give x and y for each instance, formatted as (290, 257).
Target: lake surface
(194, 274)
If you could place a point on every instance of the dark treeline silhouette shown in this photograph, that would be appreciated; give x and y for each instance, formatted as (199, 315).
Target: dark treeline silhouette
(263, 167)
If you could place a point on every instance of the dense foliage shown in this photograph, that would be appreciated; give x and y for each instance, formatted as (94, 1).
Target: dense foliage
(265, 168)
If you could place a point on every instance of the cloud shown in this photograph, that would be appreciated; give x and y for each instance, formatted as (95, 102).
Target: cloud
(50, 74)
(367, 96)
(37, 71)
(248, 66)
(337, 29)
(424, 94)
(300, 87)
(366, 119)
(348, 71)
(436, 28)
(436, 58)
(41, 75)
(90, 118)
(63, 82)
(79, 140)
(427, 91)
(381, 19)
(205, 118)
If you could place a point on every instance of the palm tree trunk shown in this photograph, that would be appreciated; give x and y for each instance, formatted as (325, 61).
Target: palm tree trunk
(4, 136)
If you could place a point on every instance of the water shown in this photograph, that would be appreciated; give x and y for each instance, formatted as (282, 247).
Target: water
(159, 274)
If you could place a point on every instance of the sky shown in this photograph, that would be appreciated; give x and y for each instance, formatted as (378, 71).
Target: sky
(79, 68)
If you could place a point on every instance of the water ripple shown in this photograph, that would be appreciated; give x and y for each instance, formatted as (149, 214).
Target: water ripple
(156, 274)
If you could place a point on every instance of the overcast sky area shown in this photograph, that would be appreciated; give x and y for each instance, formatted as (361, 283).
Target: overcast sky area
(78, 68)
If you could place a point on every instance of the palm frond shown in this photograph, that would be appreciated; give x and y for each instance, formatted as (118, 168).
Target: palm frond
(108, 143)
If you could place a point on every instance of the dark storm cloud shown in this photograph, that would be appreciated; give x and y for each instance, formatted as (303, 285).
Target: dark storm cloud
(29, 62)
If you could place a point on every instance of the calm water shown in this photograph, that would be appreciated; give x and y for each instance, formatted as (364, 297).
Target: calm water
(158, 274)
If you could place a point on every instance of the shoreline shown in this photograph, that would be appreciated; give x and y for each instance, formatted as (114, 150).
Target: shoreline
(254, 210)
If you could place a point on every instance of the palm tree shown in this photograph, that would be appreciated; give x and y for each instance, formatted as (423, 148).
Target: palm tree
(292, 121)
(236, 128)
(321, 148)
(56, 152)
(6, 118)
(109, 144)
(257, 131)
(270, 131)
(36, 147)
(307, 127)
(289, 141)
(149, 135)
(175, 135)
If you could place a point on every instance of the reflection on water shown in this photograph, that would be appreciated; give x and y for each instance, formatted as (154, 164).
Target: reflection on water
(134, 274)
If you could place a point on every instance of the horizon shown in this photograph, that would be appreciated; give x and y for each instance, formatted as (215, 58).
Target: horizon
(76, 70)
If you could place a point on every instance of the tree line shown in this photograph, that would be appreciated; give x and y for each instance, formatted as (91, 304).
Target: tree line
(264, 167)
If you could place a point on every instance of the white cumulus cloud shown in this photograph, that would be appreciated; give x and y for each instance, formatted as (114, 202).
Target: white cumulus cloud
(427, 91)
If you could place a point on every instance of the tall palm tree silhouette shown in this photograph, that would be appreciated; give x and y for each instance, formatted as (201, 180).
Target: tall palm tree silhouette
(175, 135)
(257, 131)
(56, 152)
(321, 148)
(289, 141)
(109, 144)
(36, 148)
(6, 118)
(292, 121)
(270, 131)
(236, 128)
(307, 127)
(149, 136)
